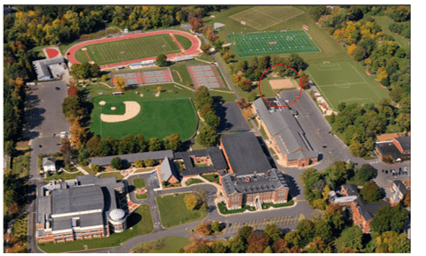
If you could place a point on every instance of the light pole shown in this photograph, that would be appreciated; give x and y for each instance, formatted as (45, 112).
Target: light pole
(106, 32)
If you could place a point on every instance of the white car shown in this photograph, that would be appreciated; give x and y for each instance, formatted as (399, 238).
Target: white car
(64, 135)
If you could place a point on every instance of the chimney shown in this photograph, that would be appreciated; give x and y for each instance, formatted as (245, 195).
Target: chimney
(254, 174)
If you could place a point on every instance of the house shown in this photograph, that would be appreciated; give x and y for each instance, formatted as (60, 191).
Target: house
(244, 154)
(49, 164)
(395, 150)
(363, 213)
(82, 209)
(168, 171)
(284, 131)
(254, 189)
(105, 161)
(400, 190)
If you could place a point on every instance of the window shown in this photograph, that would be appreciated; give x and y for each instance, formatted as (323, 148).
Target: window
(57, 235)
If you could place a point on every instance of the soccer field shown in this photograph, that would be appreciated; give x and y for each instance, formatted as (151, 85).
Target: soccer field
(284, 42)
(157, 118)
(263, 17)
(342, 82)
(128, 49)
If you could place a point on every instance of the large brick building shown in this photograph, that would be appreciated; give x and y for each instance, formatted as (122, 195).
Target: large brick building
(250, 180)
(82, 209)
(395, 150)
(363, 213)
(285, 133)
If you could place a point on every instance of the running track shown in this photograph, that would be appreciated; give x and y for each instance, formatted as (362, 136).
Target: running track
(194, 49)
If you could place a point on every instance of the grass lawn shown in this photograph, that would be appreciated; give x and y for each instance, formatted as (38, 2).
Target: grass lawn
(169, 205)
(146, 169)
(264, 135)
(140, 183)
(130, 49)
(117, 175)
(384, 22)
(267, 205)
(272, 151)
(193, 181)
(140, 221)
(21, 161)
(20, 228)
(222, 208)
(342, 82)
(180, 67)
(168, 244)
(184, 41)
(256, 122)
(178, 114)
(63, 176)
(212, 178)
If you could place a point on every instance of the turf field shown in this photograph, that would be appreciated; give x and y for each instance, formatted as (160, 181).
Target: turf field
(157, 118)
(128, 49)
(265, 43)
(342, 82)
(263, 17)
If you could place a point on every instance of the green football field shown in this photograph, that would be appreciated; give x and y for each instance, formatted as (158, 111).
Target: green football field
(342, 82)
(128, 49)
(265, 43)
(263, 17)
(157, 118)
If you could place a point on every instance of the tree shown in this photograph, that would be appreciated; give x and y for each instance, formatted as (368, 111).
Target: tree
(83, 156)
(365, 173)
(104, 78)
(215, 226)
(351, 238)
(317, 11)
(257, 242)
(155, 144)
(206, 48)
(208, 136)
(318, 246)
(142, 143)
(116, 163)
(203, 228)
(351, 49)
(292, 238)
(72, 89)
(94, 70)
(202, 248)
(322, 229)
(226, 57)
(139, 163)
(280, 246)
(93, 144)
(127, 144)
(400, 216)
(67, 151)
(359, 53)
(119, 83)
(406, 201)
(71, 106)
(95, 168)
(195, 23)
(212, 120)
(149, 162)
(190, 201)
(252, 96)
(158, 88)
(382, 219)
(245, 84)
(236, 244)
(161, 60)
(371, 193)
(9, 148)
(218, 247)
(273, 232)
(305, 228)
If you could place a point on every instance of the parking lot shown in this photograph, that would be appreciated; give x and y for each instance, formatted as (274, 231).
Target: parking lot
(285, 221)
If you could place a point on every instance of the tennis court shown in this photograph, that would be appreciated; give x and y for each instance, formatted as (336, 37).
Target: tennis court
(205, 75)
(265, 43)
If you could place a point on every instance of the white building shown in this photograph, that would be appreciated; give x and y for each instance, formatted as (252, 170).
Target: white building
(49, 164)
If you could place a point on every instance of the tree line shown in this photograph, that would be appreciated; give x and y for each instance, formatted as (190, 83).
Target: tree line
(205, 106)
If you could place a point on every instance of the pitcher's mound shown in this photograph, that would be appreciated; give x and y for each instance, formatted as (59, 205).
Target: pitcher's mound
(113, 108)
(102, 103)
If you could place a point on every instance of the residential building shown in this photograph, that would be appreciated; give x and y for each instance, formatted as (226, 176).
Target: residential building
(81, 209)
(49, 164)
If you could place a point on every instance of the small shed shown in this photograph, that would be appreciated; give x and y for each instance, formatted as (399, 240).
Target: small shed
(49, 164)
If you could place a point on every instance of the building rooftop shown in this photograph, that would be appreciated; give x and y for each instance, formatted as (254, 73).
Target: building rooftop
(131, 158)
(231, 118)
(401, 186)
(404, 142)
(48, 161)
(351, 188)
(216, 156)
(388, 148)
(368, 211)
(77, 199)
(245, 154)
(168, 169)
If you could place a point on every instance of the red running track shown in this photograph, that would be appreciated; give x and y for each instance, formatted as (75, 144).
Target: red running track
(194, 49)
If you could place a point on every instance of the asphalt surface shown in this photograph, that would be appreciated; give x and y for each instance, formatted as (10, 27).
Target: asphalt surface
(231, 118)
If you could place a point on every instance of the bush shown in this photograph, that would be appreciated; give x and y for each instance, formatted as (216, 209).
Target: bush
(116, 163)
(149, 162)
(161, 60)
(95, 168)
(139, 163)
(252, 96)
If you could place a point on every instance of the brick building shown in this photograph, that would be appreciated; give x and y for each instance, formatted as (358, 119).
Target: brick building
(399, 190)
(285, 133)
(395, 150)
(75, 210)
(254, 190)
(168, 172)
(363, 213)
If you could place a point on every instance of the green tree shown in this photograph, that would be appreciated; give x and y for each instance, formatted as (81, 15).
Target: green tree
(142, 143)
(95, 168)
(236, 244)
(155, 144)
(83, 156)
(173, 142)
(382, 220)
(323, 229)
(212, 120)
(149, 162)
(116, 163)
(371, 193)
(365, 173)
(245, 232)
(9, 148)
(215, 226)
(351, 237)
(292, 238)
(139, 163)
(161, 60)
(93, 144)
(218, 247)
(273, 232)
(208, 136)
(400, 216)
(202, 248)
(252, 96)
(305, 228)
(127, 144)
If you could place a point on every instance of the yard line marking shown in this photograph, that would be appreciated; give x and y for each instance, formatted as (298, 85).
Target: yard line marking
(374, 89)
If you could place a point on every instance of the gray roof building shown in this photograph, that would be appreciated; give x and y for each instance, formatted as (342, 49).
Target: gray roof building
(402, 188)
(388, 148)
(244, 153)
(368, 211)
(168, 169)
(131, 158)
(351, 188)
(48, 161)
(284, 128)
(262, 182)
(404, 142)
(231, 118)
(42, 67)
(215, 154)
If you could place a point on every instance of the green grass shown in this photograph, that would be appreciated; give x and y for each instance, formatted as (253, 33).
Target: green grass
(342, 82)
(256, 122)
(136, 48)
(263, 17)
(63, 176)
(20, 227)
(164, 117)
(264, 135)
(169, 205)
(193, 181)
(117, 175)
(21, 161)
(384, 22)
(184, 41)
(212, 178)
(180, 67)
(267, 205)
(168, 244)
(222, 209)
(140, 221)
(140, 183)
(272, 151)
(257, 44)
(146, 169)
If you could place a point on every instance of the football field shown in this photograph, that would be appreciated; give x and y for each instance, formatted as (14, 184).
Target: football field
(342, 82)
(265, 43)
(263, 17)
(128, 49)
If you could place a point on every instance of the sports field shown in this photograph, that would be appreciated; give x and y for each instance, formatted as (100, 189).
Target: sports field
(157, 118)
(128, 49)
(263, 17)
(342, 82)
(265, 43)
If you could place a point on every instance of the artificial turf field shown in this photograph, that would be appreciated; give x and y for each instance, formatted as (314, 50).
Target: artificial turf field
(342, 82)
(157, 118)
(128, 49)
(284, 42)
(263, 17)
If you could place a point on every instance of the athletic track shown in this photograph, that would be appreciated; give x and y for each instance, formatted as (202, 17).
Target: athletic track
(194, 49)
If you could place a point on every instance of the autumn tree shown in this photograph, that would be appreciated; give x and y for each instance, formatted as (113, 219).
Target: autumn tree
(190, 201)
(206, 48)
(139, 163)
(371, 193)
(257, 242)
(72, 89)
(119, 83)
(67, 151)
(406, 201)
(173, 142)
(196, 23)
(149, 162)
(245, 84)
(203, 228)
